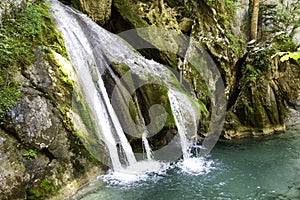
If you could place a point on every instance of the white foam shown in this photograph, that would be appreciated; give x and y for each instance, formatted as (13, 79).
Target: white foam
(139, 171)
(196, 166)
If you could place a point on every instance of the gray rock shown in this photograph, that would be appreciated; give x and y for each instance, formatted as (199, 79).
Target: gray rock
(294, 116)
(99, 11)
(296, 36)
(13, 176)
(32, 120)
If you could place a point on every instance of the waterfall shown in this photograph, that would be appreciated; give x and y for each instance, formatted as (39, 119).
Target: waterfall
(91, 50)
(84, 61)
(179, 119)
(146, 145)
(185, 120)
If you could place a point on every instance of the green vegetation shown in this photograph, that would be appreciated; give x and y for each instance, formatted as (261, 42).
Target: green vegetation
(289, 55)
(44, 190)
(225, 6)
(126, 8)
(286, 48)
(253, 73)
(284, 43)
(63, 74)
(9, 93)
(30, 154)
(260, 63)
(21, 31)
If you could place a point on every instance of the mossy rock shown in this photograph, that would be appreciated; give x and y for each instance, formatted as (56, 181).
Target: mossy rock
(129, 11)
(45, 189)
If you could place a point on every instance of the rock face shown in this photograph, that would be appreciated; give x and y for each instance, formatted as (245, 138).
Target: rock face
(43, 156)
(294, 116)
(259, 104)
(40, 149)
(13, 177)
(258, 86)
(241, 16)
(99, 10)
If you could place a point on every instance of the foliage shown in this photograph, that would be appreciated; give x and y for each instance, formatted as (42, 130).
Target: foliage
(30, 154)
(9, 93)
(286, 48)
(284, 43)
(253, 73)
(20, 31)
(258, 64)
(45, 189)
(210, 1)
(285, 56)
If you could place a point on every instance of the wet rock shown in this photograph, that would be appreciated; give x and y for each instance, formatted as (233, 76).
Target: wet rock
(40, 73)
(13, 175)
(32, 120)
(99, 10)
(294, 116)
(186, 25)
(263, 93)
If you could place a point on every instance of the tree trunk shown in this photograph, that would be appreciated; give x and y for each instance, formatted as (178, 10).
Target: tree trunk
(254, 20)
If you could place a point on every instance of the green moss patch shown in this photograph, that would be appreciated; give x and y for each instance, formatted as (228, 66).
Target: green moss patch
(20, 31)
(45, 189)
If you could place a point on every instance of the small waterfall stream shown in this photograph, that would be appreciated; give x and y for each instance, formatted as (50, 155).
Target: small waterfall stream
(179, 119)
(146, 145)
(91, 49)
(81, 54)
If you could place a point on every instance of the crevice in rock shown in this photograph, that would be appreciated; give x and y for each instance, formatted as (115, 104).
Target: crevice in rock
(235, 91)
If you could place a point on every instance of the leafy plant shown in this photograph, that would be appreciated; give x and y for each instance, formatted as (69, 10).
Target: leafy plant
(253, 73)
(30, 154)
(285, 56)
(285, 43)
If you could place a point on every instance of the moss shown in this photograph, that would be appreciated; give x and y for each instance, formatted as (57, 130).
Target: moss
(127, 10)
(284, 43)
(78, 148)
(120, 68)
(258, 65)
(62, 74)
(20, 32)
(44, 190)
(9, 93)
(82, 109)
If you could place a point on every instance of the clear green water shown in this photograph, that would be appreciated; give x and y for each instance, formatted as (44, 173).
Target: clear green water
(256, 168)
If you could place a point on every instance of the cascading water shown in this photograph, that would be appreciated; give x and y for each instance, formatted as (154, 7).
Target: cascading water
(91, 50)
(180, 122)
(81, 54)
(146, 145)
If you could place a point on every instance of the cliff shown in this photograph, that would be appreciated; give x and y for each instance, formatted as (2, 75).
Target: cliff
(41, 152)
(42, 147)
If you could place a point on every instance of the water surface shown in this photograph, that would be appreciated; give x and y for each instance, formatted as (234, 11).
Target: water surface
(255, 168)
